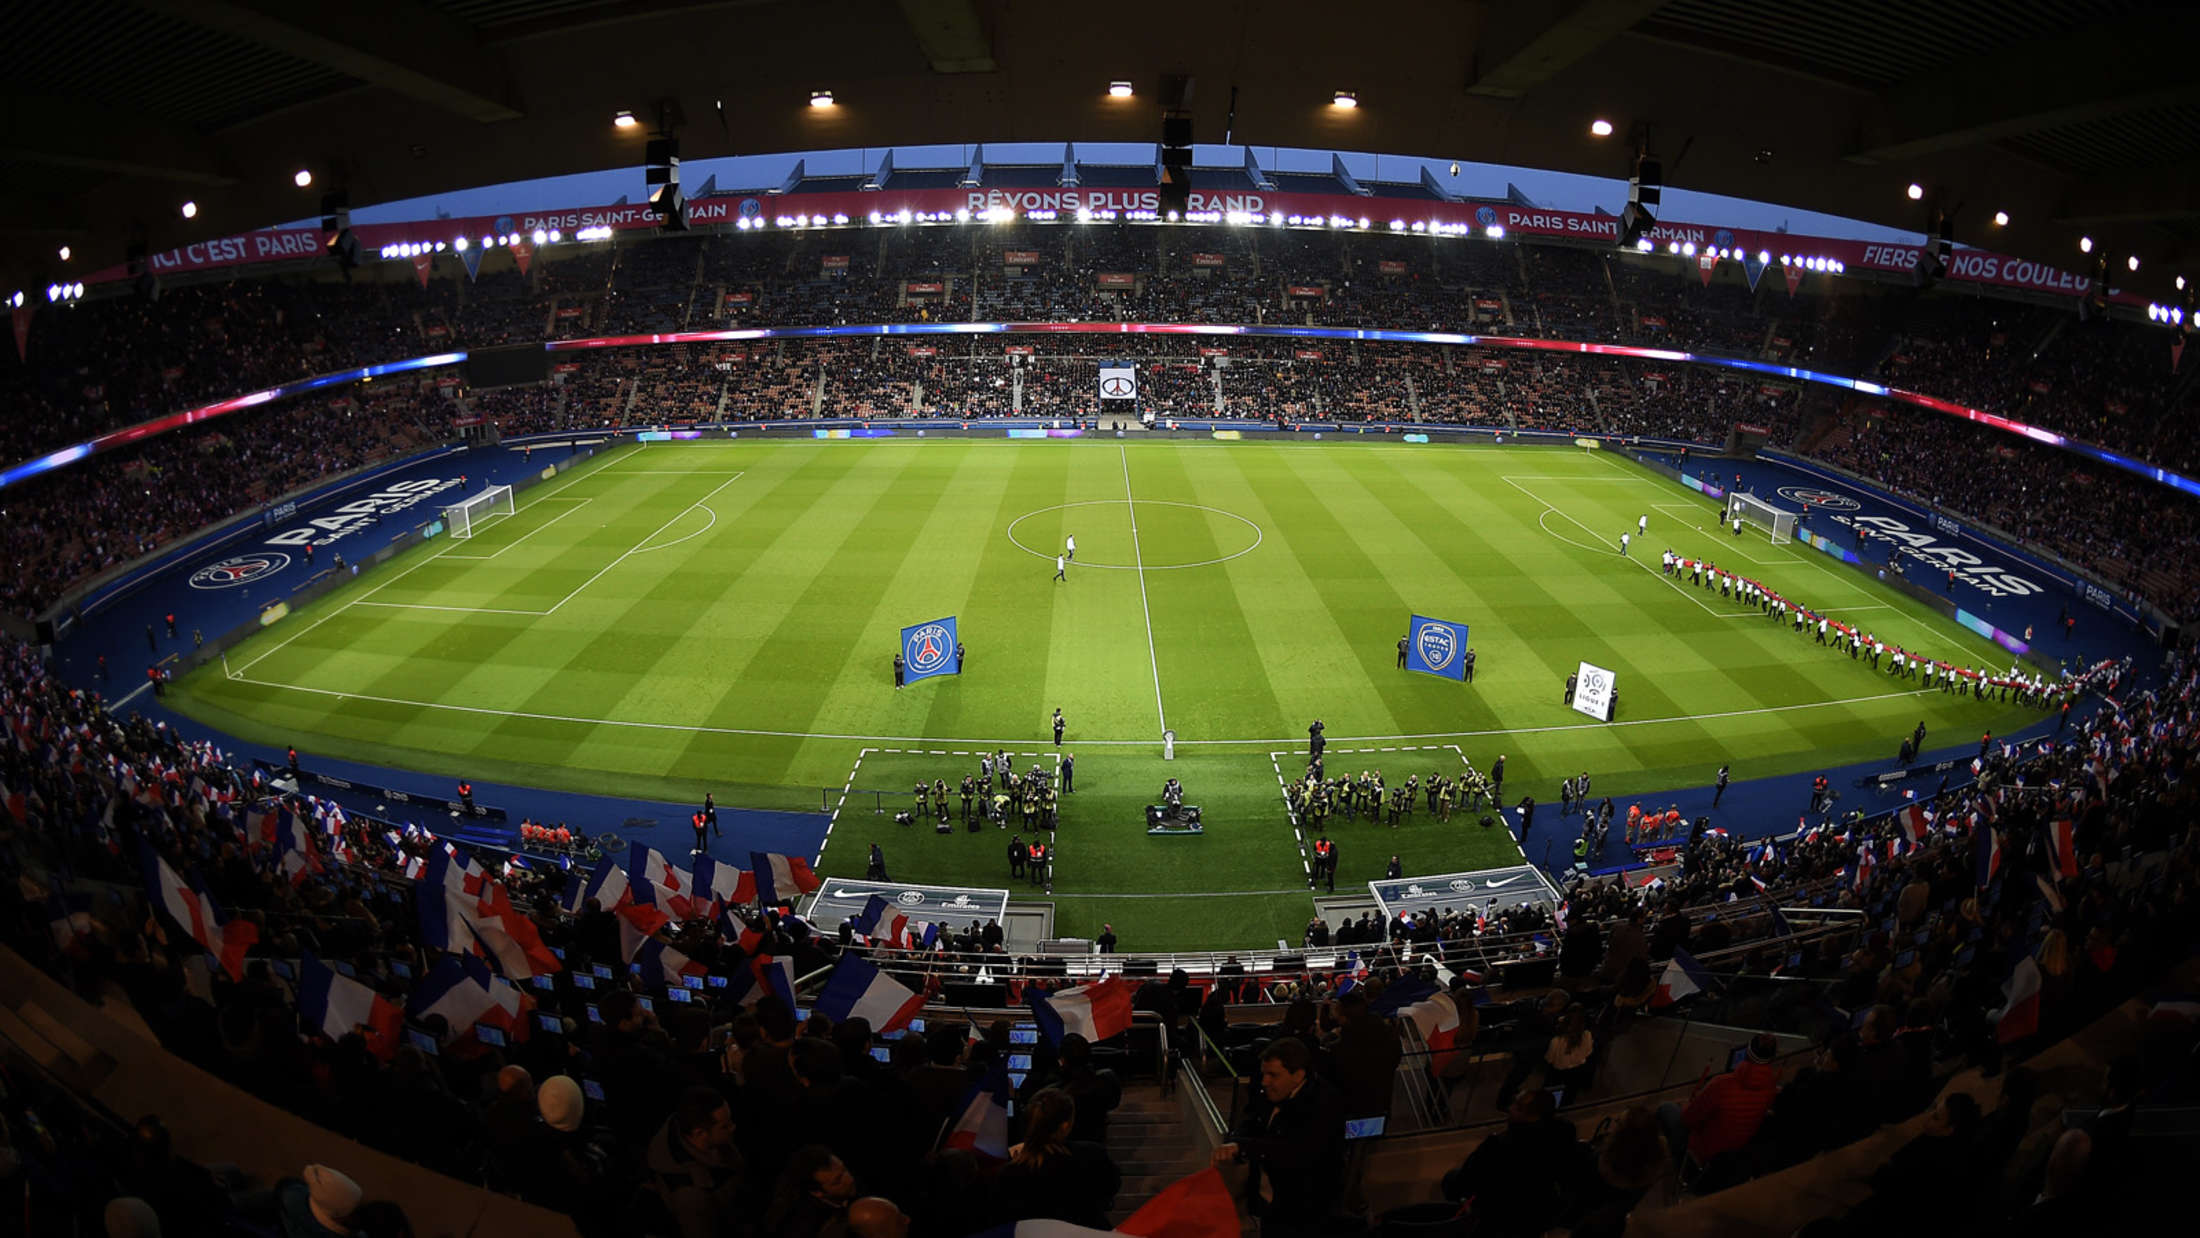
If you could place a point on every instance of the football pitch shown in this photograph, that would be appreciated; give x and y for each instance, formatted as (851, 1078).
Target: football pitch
(672, 619)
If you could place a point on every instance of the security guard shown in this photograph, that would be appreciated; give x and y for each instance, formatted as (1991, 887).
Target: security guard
(1038, 865)
(466, 796)
(1017, 854)
(1401, 653)
(1325, 862)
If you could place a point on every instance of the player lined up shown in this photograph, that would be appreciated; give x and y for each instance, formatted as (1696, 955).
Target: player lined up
(2013, 685)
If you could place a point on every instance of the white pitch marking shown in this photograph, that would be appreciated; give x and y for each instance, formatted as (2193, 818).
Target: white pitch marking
(1153, 659)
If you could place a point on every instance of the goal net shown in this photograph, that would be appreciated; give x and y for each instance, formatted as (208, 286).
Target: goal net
(1751, 510)
(467, 518)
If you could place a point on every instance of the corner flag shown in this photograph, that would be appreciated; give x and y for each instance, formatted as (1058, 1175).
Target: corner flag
(1437, 647)
(928, 649)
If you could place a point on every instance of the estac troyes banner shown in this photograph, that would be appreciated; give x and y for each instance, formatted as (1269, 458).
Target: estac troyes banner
(769, 210)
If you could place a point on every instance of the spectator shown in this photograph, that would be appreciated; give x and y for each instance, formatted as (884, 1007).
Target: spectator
(693, 1168)
(1517, 1180)
(1724, 1115)
(1292, 1135)
(317, 1204)
(1049, 1176)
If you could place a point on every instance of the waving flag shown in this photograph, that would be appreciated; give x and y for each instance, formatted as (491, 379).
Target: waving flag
(334, 1005)
(294, 854)
(719, 886)
(859, 989)
(2020, 1010)
(1195, 1207)
(1094, 1011)
(487, 924)
(640, 916)
(1683, 977)
(982, 1124)
(2063, 839)
(764, 975)
(674, 885)
(190, 906)
(607, 885)
(663, 965)
(880, 922)
(1911, 821)
(1986, 851)
(461, 989)
(781, 878)
(1437, 1019)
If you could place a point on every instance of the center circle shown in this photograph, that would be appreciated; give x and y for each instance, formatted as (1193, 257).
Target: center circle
(1175, 512)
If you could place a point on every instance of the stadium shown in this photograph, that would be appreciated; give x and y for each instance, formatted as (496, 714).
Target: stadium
(1000, 628)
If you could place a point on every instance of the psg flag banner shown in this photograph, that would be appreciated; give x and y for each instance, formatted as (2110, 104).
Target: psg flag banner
(1437, 647)
(928, 649)
(1593, 690)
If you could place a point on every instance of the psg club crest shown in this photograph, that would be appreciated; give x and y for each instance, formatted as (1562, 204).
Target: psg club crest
(1437, 647)
(240, 570)
(1823, 500)
(928, 649)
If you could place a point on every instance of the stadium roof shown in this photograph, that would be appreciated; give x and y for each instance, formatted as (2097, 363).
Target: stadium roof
(2077, 118)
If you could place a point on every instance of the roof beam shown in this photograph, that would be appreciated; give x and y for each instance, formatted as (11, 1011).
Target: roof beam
(2103, 70)
(400, 45)
(91, 137)
(953, 39)
(1518, 57)
(2146, 197)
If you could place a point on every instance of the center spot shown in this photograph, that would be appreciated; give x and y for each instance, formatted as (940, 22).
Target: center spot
(1170, 535)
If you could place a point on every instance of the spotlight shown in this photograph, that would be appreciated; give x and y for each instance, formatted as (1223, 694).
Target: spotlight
(2001, 219)
(2131, 263)
(302, 178)
(190, 210)
(1645, 245)
(1916, 191)
(554, 237)
(821, 98)
(1673, 247)
(540, 236)
(2085, 245)
(1119, 90)
(1495, 232)
(1764, 257)
(16, 301)
(1601, 127)
(1346, 99)
(64, 251)
(53, 292)
(1688, 250)
(624, 120)
(2180, 283)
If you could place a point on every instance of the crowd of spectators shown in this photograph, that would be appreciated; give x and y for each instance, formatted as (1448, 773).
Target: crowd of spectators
(107, 362)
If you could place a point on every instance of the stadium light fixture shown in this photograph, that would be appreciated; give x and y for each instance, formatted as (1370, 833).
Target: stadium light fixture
(16, 301)
(541, 237)
(1600, 127)
(2085, 245)
(2001, 219)
(1645, 245)
(65, 253)
(1119, 90)
(53, 292)
(1346, 99)
(2180, 283)
(1495, 232)
(1916, 192)
(1673, 247)
(190, 210)
(302, 178)
(624, 120)
(821, 98)
(1764, 257)
(1084, 214)
(459, 244)
(1688, 249)
(2131, 263)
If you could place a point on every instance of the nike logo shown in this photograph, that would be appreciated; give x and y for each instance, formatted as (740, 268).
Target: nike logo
(1492, 885)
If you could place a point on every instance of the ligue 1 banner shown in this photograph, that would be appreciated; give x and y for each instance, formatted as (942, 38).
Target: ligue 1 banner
(1594, 690)
(928, 649)
(1436, 647)
(290, 244)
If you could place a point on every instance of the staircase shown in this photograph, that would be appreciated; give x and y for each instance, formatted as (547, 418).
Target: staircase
(1152, 1144)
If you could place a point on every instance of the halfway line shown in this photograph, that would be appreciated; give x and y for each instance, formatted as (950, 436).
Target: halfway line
(1138, 559)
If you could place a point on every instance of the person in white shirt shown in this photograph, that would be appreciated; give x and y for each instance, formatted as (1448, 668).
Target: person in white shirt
(1642, 524)
(1072, 555)
(1737, 526)
(1623, 543)
(1061, 566)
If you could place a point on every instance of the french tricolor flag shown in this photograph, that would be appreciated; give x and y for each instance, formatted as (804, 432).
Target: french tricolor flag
(190, 906)
(781, 878)
(1094, 1011)
(1913, 822)
(982, 1125)
(859, 989)
(719, 886)
(338, 1005)
(661, 964)
(765, 975)
(640, 916)
(607, 885)
(2020, 1011)
(673, 884)
(2062, 835)
(1683, 977)
(880, 922)
(1986, 848)
(461, 989)
(1437, 1019)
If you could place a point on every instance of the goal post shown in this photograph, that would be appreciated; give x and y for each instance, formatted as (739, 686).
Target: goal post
(466, 518)
(1778, 522)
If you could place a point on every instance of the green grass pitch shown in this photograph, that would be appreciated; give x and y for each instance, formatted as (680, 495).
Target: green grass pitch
(667, 620)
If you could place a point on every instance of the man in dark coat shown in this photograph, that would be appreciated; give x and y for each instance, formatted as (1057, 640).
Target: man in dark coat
(1292, 1135)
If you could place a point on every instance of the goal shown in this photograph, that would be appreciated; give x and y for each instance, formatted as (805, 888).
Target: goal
(467, 517)
(1752, 510)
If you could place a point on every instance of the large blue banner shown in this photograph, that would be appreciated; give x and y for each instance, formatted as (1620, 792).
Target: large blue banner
(1437, 647)
(929, 649)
